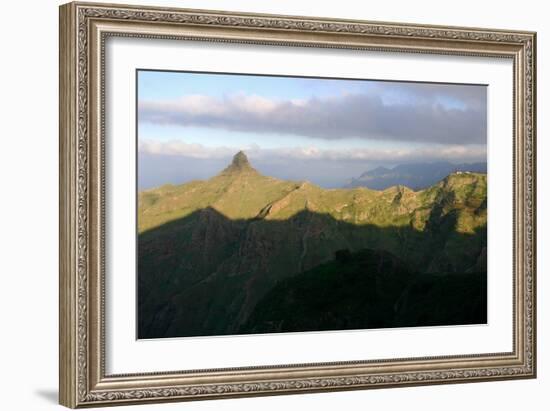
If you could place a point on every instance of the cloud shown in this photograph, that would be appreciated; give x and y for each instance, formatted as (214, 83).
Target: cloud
(472, 97)
(391, 112)
(452, 153)
(177, 147)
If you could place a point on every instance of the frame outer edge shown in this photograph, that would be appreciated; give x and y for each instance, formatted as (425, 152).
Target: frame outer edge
(77, 387)
(68, 351)
(534, 161)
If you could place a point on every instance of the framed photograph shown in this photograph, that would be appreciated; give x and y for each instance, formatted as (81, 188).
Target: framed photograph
(259, 204)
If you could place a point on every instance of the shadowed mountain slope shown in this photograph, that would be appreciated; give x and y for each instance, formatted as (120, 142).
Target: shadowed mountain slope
(368, 289)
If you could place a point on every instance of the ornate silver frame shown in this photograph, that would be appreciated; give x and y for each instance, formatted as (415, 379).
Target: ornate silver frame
(83, 30)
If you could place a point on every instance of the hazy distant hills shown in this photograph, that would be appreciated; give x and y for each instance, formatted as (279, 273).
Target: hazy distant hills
(212, 252)
(414, 176)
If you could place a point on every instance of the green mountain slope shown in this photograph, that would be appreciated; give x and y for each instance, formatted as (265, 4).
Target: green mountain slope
(209, 251)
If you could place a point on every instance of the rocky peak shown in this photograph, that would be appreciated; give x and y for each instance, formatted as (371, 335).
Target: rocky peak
(239, 164)
(240, 160)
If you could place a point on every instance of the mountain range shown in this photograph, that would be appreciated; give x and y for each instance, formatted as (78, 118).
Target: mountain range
(245, 253)
(416, 176)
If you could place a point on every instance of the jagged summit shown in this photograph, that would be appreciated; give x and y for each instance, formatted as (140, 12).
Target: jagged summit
(239, 164)
(240, 160)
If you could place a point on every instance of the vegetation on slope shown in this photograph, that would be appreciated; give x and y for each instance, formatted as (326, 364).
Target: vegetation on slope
(368, 289)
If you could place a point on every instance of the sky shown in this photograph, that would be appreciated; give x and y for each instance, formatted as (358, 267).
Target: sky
(322, 130)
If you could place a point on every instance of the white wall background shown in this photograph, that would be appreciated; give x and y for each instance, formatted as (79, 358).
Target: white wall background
(28, 205)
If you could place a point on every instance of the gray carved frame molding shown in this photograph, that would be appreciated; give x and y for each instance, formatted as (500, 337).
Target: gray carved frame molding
(83, 30)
